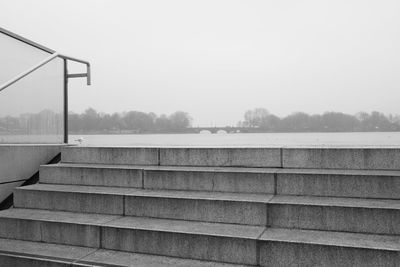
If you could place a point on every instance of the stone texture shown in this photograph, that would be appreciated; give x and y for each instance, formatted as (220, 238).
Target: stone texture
(201, 247)
(97, 175)
(212, 180)
(110, 155)
(60, 198)
(235, 157)
(193, 240)
(347, 219)
(362, 184)
(197, 210)
(342, 158)
(53, 227)
(27, 253)
(118, 258)
(293, 254)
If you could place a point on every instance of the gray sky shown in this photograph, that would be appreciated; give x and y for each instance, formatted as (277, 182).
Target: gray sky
(216, 59)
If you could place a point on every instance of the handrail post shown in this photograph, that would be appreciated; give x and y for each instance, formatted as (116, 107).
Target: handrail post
(65, 101)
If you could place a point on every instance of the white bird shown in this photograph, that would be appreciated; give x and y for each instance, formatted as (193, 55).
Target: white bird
(79, 140)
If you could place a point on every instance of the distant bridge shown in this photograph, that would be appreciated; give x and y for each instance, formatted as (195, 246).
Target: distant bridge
(226, 129)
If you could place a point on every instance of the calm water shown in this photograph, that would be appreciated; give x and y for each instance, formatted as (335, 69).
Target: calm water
(257, 139)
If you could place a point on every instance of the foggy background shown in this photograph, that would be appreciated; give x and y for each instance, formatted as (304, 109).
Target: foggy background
(217, 59)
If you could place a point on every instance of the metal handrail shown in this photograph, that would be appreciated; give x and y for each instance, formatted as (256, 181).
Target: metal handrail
(44, 62)
(66, 75)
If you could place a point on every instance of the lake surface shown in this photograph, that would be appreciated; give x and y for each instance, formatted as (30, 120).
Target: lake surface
(369, 139)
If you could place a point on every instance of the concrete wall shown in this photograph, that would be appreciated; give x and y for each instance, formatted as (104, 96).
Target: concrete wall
(20, 162)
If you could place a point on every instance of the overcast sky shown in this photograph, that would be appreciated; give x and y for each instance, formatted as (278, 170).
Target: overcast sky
(216, 59)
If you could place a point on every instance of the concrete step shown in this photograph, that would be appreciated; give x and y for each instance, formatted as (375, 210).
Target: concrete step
(79, 229)
(220, 179)
(368, 158)
(227, 243)
(38, 254)
(376, 216)
(288, 247)
(185, 205)
(174, 156)
(339, 183)
(27, 253)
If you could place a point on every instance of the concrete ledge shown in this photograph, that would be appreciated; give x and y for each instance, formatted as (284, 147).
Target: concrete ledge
(110, 155)
(280, 254)
(210, 180)
(342, 158)
(192, 207)
(118, 258)
(64, 198)
(53, 227)
(339, 183)
(335, 214)
(285, 247)
(239, 157)
(27, 253)
(84, 175)
(191, 240)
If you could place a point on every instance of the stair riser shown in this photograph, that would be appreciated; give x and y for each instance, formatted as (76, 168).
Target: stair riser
(280, 254)
(346, 219)
(110, 155)
(22, 261)
(65, 201)
(91, 176)
(210, 181)
(339, 185)
(342, 158)
(221, 249)
(198, 210)
(50, 232)
(239, 157)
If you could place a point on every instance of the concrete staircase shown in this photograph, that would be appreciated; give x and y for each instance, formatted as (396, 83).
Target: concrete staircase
(208, 207)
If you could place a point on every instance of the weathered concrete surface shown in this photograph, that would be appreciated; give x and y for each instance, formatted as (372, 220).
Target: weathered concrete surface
(191, 240)
(97, 175)
(53, 227)
(31, 261)
(334, 214)
(339, 183)
(207, 207)
(222, 180)
(70, 198)
(118, 258)
(291, 254)
(20, 162)
(27, 253)
(110, 155)
(342, 158)
(286, 247)
(235, 157)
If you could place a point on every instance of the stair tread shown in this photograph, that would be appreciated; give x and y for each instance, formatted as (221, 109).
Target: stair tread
(92, 256)
(336, 202)
(139, 223)
(44, 250)
(341, 239)
(119, 258)
(57, 216)
(223, 196)
(229, 169)
(162, 168)
(187, 227)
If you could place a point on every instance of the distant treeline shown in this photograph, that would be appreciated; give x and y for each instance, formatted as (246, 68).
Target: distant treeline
(92, 121)
(260, 120)
(257, 120)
